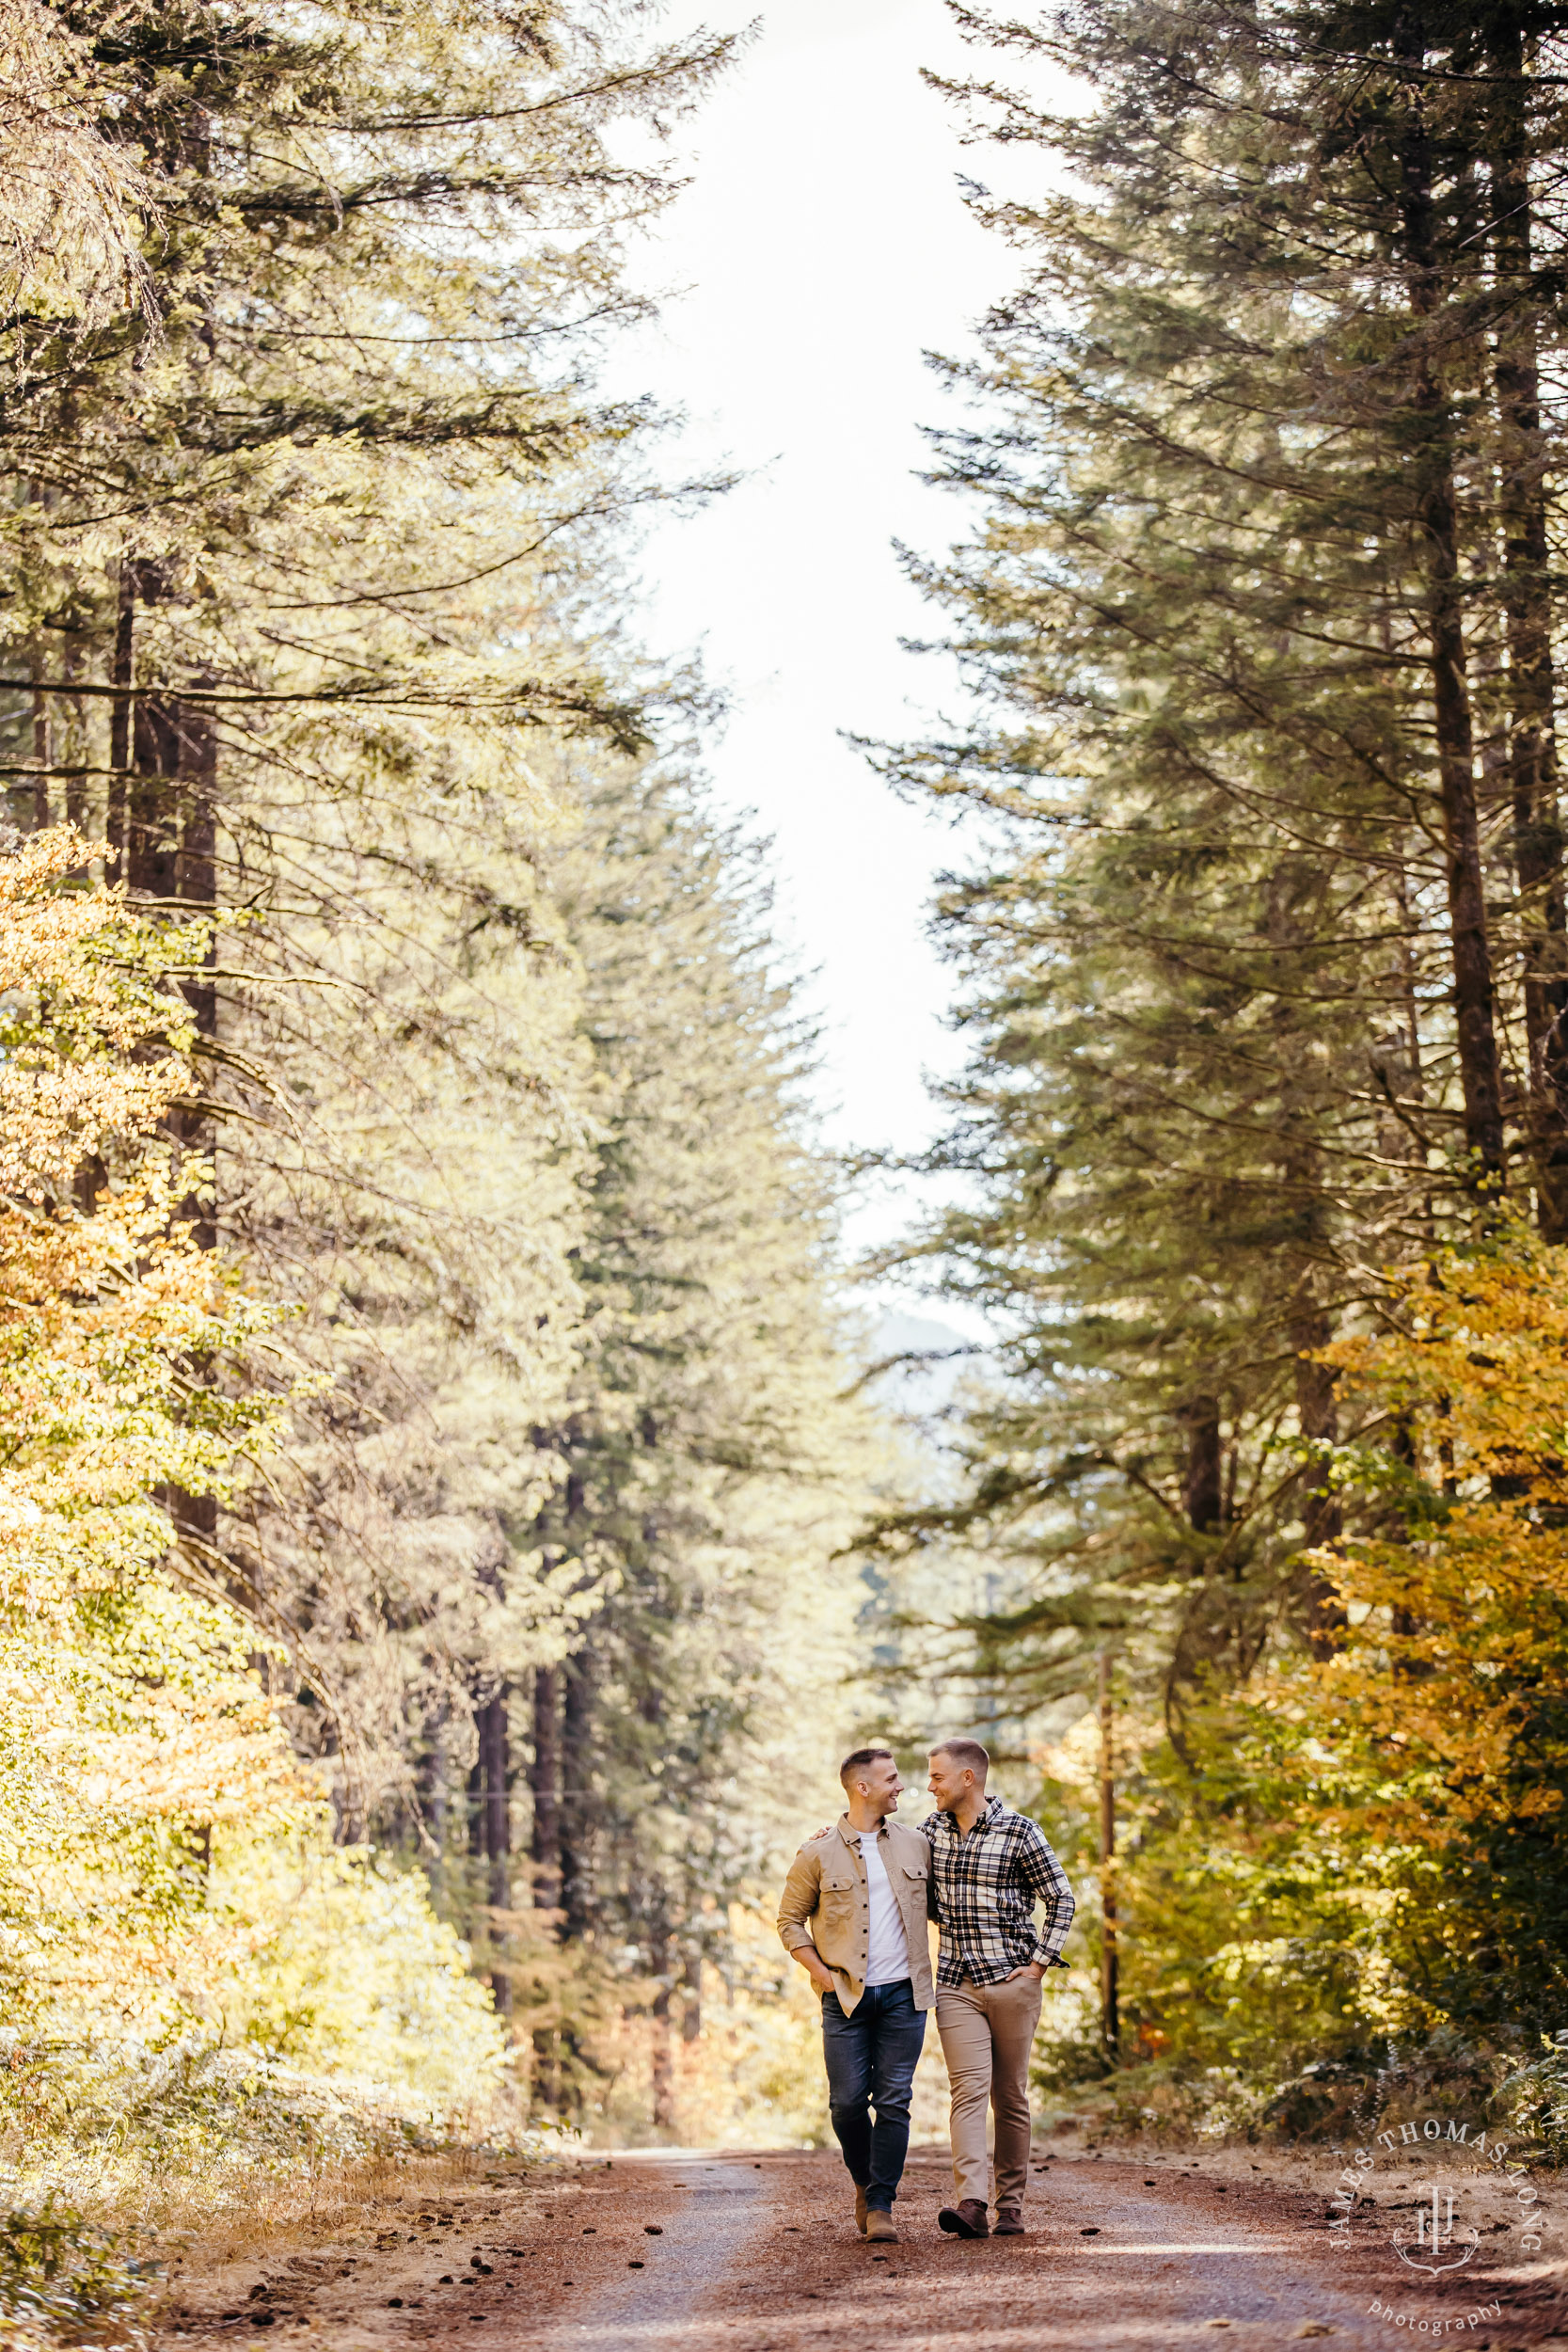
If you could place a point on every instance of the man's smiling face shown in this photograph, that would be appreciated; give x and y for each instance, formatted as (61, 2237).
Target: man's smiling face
(882, 1786)
(948, 1784)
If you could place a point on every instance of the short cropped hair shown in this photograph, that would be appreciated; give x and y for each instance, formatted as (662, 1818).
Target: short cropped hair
(861, 1757)
(968, 1755)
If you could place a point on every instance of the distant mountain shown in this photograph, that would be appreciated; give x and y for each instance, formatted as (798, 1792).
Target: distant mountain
(941, 1359)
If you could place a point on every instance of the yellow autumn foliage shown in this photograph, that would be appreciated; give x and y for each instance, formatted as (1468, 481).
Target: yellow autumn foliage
(1453, 1663)
(170, 1896)
(1363, 1850)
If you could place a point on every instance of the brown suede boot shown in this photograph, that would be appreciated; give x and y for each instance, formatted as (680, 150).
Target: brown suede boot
(967, 2218)
(880, 2230)
(860, 2211)
(1010, 2222)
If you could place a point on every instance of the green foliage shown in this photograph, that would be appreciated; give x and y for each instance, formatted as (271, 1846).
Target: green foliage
(359, 485)
(356, 1980)
(716, 1461)
(310, 611)
(1261, 958)
(61, 2275)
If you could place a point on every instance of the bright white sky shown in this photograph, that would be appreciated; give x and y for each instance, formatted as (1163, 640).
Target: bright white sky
(823, 247)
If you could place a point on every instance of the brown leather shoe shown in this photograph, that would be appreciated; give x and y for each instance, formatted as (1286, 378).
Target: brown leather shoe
(967, 2218)
(880, 2230)
(1010, 2222)
(860, 2211)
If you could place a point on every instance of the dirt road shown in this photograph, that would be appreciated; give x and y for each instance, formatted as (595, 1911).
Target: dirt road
(738, 2254)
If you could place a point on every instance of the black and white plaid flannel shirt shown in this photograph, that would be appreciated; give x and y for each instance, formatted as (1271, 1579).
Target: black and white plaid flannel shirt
(986, 1886)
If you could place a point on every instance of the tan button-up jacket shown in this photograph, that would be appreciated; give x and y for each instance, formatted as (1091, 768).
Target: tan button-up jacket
(825, 1902)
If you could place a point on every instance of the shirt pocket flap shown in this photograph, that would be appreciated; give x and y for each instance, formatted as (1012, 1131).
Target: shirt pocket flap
(835, 1883)
(913, 1870)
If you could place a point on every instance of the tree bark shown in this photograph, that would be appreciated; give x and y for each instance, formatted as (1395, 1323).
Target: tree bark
(43, 754)
(153, 833)
(1110, 2007)
(545, 1782)
(1202, 1491)
(577, 1807)
(194, 886)
(544, 1787)
(163, 840)
(122, 677)
(431, 1783)
(663, 2049)
(1321, 1612)
(495, 1826)
(173, 774)
(1437, 519)
(1317, 1417)
(691, 1997)
(1528, 615)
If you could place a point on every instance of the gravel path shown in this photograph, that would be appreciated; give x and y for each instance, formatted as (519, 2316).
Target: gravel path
(690, 2252)
(762, 2256)
(702, 2260)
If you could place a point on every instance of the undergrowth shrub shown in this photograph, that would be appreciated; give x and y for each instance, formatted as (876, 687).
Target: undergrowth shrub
(62, 2276)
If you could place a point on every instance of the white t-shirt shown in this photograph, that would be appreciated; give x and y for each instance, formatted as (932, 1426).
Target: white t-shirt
(888, 1960)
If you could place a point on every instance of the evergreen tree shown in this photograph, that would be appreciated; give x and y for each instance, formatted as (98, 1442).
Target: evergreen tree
(714, 1457)
(312, 613)
(68, 241)
(1260, 974)
(300, 566)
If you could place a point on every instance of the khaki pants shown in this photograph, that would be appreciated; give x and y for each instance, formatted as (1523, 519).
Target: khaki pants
(987, 2033)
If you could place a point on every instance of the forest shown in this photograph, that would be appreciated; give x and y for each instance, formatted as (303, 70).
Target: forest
(453, 1519)
(1261, 960)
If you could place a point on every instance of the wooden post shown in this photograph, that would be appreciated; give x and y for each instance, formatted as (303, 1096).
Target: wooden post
(1109, 2027)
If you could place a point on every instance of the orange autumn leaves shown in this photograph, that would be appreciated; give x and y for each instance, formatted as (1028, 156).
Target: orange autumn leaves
(1451, 1676)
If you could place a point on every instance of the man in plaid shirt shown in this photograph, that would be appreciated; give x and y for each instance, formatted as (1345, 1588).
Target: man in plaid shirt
(988, 1868)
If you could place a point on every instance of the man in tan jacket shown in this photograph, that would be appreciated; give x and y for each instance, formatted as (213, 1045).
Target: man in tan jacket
(853, 1913)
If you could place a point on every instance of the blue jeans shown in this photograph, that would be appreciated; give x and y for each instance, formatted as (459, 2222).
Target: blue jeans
(871, 2058)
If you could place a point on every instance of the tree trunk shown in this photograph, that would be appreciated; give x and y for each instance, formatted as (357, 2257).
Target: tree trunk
(1110, 2005)
(432, 1784)
(152, 834)
(1317, 1417)
(1202, 1491)
(1321, 1611)
(495, 1826)
(1527, 613)
(545, 1782)
(162, 834)
(122, 677)
(189, 875)
(576, 1806)
(1437, 516)
(577, 1757)
(691, 1997)
(497, 1817)
(194, 884)
(43, 753)
(77, 811)
(545, 1785)
(663, 2050)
